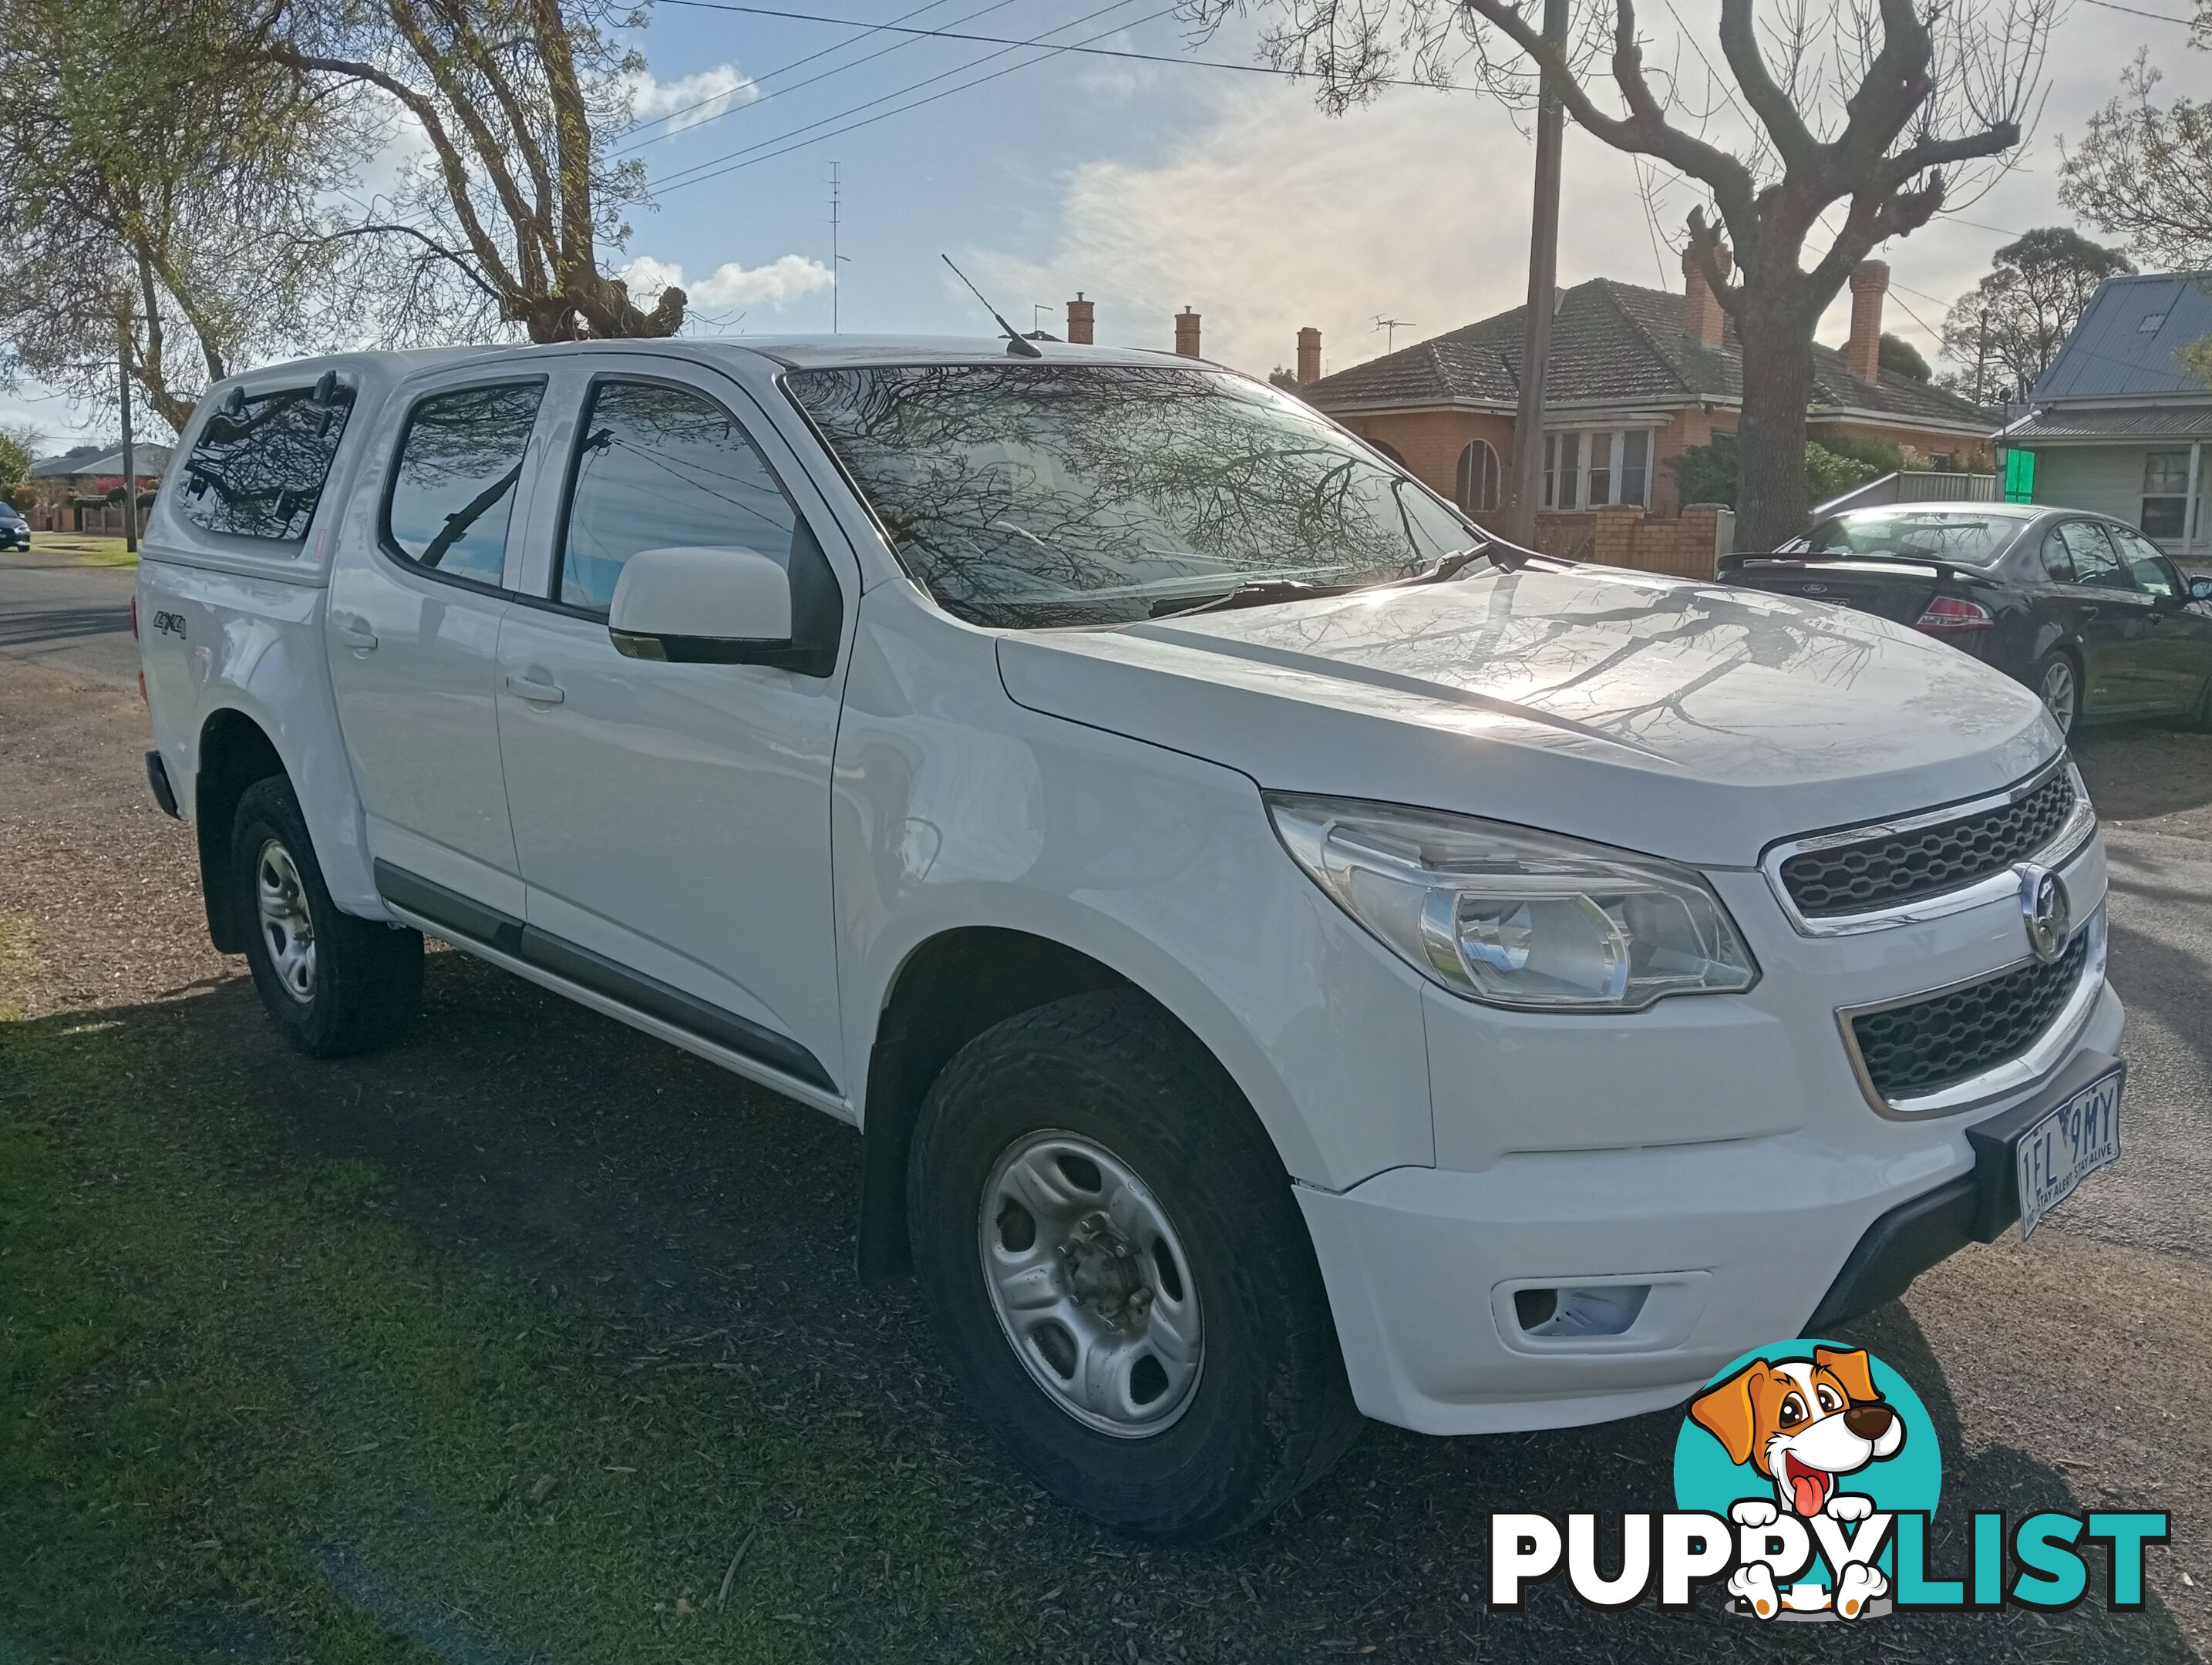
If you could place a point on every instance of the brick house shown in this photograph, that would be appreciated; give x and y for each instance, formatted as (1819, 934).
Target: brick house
(1638, 376)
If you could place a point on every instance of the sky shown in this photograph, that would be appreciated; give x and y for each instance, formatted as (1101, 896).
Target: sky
(1152, 187)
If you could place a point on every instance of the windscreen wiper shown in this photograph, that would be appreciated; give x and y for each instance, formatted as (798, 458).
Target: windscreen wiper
(1263, 593)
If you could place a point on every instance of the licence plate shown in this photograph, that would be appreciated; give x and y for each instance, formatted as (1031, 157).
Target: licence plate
(2065, 1147)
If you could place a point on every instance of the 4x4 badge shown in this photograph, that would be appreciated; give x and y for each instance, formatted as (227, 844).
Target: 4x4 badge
(2045, 909)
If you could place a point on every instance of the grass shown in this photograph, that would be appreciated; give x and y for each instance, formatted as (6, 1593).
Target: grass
(83, 549)
(249, 1411)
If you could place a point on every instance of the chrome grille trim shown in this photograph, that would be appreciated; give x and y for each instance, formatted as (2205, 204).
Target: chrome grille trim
(2072, 834)
(2023, 1070)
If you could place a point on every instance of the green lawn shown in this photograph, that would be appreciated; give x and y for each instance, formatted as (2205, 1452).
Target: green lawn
(245, 1411)
(84, 550)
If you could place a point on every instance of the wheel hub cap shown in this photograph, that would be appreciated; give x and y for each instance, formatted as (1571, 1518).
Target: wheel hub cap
(1089, 1281)
(287, 928)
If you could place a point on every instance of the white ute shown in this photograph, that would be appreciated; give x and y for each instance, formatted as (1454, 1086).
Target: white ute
(1289, 956)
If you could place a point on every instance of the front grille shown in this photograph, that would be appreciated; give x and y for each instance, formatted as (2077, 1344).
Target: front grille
(1889, 869)
(1912, 1049)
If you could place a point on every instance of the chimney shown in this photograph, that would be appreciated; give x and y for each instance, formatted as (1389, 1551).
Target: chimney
(1863, 353)
(1187, 333)
(1080, 314)
(1309, 355)
(1702, 317)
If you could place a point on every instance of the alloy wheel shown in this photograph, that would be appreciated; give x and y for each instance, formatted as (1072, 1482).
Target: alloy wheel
(2060, 694)
(287, 928)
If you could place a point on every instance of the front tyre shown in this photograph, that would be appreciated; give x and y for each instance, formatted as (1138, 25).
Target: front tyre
(1119, 1275)
(332, 983)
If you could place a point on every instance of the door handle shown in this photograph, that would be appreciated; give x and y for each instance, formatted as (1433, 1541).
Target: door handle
(530, 688)
(352, 630)
(2089, 611)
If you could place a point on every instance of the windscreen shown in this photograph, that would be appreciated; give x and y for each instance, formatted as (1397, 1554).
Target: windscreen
(1029, 495)
(1965, 537)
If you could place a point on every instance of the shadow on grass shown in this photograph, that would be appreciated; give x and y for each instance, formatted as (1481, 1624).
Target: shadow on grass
(499, 1345)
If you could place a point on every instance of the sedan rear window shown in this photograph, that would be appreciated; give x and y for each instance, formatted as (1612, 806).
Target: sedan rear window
(1032, 495)
(1964, 537)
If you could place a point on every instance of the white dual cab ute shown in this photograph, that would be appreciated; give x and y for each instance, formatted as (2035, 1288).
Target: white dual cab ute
(1289, 955)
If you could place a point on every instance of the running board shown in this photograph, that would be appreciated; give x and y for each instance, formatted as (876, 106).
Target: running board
(644, 1002)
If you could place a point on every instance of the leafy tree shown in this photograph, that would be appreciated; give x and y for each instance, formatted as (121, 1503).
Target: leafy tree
(1874, 105)
(504, 220)
(2006, 330)
(155, 184)
(19, 445)
(1900, 357)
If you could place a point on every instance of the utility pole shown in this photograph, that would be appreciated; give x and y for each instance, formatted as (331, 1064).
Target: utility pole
(129, 453)
(1528, 476)
(1981, 352)
(835, 258)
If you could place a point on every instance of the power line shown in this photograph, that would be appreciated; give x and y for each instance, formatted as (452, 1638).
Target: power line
(2155, 16)
(714, 168)
(796, 86)
(1084, 51)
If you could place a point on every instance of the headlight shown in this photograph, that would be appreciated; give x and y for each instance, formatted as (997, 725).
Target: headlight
(1516, 918)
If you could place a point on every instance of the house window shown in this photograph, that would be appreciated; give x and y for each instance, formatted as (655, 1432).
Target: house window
(1476, 489)
(1596, 467)
(2165, 494)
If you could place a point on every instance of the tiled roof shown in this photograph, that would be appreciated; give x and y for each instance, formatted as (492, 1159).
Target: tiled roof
(147, 458)
(1614, 343)
(2171, 422)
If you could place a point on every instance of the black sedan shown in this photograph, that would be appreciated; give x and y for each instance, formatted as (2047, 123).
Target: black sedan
(15, 530)
(2082, 608)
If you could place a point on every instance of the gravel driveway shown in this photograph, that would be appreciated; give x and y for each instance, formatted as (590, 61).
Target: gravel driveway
(617, 1182)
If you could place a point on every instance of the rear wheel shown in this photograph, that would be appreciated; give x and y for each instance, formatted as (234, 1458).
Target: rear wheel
(1119, 1275)
(332, 983)
(2059, 687)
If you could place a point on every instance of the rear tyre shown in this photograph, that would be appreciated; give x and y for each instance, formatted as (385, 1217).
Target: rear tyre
(332, 983)
(1119, 1275)
(2057, 684)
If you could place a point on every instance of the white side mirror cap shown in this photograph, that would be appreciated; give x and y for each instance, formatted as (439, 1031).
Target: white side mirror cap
(719, 593)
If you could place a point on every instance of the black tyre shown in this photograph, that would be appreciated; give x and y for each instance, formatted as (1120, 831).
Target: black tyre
(1119, 1275)
(333, 983)
(2056, 681)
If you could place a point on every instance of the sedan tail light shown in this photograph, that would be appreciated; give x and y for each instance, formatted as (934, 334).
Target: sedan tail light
(1946, 613)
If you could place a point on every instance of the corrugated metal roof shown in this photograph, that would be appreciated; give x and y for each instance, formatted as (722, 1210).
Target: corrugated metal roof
(2187, 422)
(2127, 339)
(1614, 344)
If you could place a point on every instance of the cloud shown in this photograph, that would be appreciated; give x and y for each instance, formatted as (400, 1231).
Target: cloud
(694, 99)
(780, 282)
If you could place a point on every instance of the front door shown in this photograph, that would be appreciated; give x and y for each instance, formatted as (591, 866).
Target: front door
(673, 820)
(2177, 656)
(412, 632)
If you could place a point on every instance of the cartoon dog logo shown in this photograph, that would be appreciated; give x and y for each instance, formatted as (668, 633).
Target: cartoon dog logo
(1803, 1424)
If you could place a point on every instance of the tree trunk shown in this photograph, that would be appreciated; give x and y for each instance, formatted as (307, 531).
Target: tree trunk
(1777, 385)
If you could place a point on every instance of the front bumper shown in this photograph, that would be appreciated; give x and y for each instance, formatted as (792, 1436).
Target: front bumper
(1735, 1243)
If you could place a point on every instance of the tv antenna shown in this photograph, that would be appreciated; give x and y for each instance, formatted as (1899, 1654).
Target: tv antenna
(1392, 325)
(1016, 345)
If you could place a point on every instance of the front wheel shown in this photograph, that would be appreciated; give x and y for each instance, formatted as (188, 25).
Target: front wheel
(2059, 687)
(1119, 1275)
(334, 984)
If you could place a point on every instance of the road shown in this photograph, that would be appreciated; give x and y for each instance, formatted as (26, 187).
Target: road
(2074, 1372)
(72, 619)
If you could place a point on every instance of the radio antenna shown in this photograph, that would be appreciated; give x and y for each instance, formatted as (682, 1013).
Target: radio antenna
(1017, 344)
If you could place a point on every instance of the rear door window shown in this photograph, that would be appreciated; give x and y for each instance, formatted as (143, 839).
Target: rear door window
(257, 468)
(663, 467)
(2096, 566)
(453, 485)
(2146, 564)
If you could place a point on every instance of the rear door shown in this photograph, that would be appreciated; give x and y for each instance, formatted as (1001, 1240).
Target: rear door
(673, 819)
(2097, 606)
(413, 634)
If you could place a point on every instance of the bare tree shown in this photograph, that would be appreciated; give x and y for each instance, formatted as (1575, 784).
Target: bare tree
(502, 220)
(1873, 105)
(154, 185)
(2143, 171)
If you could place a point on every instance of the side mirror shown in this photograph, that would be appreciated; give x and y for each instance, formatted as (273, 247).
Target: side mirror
(706, 605)
(2200, 589)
